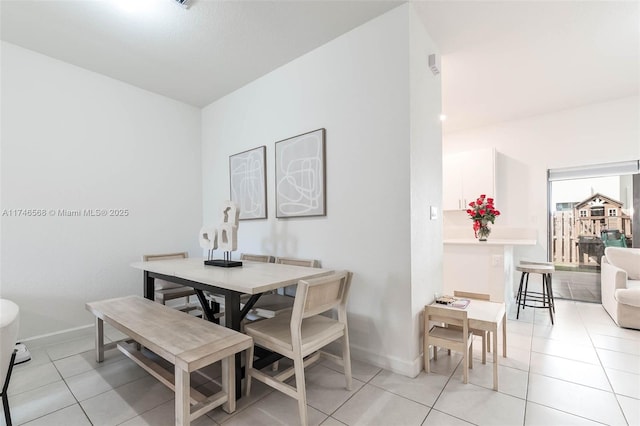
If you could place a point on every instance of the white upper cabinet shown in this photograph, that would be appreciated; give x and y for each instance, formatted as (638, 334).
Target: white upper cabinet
(466, 175)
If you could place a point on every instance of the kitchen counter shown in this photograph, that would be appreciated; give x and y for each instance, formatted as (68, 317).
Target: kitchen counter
(491, 242)
(481, 267)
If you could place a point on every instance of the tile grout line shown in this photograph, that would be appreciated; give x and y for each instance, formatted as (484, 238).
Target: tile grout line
(526, 394)
(68, 388)
(572, 359)
(71, 392)
(238, 411)
(440, 394)
(435, 401)
(615, 395)
(356, 392)
(450, 415)
(579, 384)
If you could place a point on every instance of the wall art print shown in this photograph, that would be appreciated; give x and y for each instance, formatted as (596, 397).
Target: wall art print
(300, 175)
(248, 178)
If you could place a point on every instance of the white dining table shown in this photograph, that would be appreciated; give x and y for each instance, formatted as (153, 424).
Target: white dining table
(254, 278)
(488, 316)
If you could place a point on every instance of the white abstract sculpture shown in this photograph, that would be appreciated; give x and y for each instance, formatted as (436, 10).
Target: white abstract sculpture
(208, 239)
(228, 229)
(224, 236)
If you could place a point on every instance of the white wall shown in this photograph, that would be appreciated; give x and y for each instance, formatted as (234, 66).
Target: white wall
(357, 87)
(593, 134)
(426, 180)
(73, 139)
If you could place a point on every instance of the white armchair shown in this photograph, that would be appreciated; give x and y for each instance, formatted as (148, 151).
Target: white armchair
(620, 284)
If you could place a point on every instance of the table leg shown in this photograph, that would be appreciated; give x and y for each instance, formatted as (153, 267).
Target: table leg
(148, 286)
(495, 358)
(99, 340)
(183, 389)
(504, 335)
(232, 320)
(519, 296)
(232, 311)
(553, 300)
(209, 313)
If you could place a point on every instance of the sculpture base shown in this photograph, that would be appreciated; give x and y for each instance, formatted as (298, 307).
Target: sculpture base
(223, 263)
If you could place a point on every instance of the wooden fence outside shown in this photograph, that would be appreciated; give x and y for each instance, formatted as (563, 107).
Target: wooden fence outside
(565, 247)
(566, 233)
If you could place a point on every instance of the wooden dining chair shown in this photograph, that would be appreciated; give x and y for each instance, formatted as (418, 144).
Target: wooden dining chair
(165, 291)
(277, 303)
(270, 305)
(485, 335)
(454, 338)
(265, 258)
(309, 263)
(218, 299)
(300, 335)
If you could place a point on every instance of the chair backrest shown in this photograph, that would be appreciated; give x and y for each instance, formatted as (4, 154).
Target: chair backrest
(265, 258)
(311, 263)
(9, 319)
(621, 242)
(167, 256)
(611, 234)
(319, 295)
(445, 315)
(467, 295)
(162, 284)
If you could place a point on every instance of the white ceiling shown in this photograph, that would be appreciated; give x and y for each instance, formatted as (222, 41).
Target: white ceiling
(501, 60)
(507, 60)
(195, 55)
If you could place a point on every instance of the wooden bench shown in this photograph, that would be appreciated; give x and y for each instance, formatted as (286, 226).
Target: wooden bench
(187, 342)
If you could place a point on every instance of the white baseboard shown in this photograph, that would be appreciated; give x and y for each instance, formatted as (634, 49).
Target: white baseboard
(60, 334)
(391, 363)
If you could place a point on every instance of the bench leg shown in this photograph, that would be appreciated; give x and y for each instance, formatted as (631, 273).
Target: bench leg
(99, 340)
(495, 357)
(183, 394)
(229, 383)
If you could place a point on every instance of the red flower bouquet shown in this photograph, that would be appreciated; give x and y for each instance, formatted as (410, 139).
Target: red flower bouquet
(482, 211)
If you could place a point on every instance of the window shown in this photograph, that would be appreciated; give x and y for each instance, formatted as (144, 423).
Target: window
(605, 202)
(565, 207)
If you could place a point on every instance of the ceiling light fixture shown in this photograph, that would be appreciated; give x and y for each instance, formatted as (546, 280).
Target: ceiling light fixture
(443, 117)
(434, 63)
(183, 3)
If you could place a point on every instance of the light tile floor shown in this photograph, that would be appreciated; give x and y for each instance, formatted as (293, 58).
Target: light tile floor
(583, 370)
(580, 285)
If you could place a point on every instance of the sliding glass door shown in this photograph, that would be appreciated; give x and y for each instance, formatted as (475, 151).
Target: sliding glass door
(590, 208)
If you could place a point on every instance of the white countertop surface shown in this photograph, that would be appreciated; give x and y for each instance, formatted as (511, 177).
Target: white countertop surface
(491, 242)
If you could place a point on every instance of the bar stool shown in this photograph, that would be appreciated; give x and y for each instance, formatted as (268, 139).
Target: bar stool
(542, 299)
